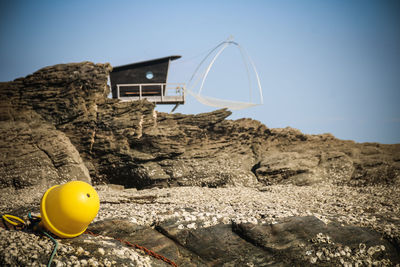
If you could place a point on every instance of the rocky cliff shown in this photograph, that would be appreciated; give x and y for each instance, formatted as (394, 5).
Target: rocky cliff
(58, 124)
(234, 193)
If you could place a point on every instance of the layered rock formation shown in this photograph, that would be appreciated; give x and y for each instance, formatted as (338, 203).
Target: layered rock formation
(58, 125)
(130, 143)
(34, 152)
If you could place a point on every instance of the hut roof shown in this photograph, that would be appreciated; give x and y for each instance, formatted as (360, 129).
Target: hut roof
(145, 63)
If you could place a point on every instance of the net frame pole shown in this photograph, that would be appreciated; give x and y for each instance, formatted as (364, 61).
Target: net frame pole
(244, 55)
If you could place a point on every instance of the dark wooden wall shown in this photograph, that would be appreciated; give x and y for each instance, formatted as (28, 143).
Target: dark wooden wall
(136, 73)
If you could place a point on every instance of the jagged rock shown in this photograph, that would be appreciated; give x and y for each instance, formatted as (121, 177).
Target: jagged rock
(58, 125)
(131, 144)
(303, 168)
(217, 245)
(291, 241)
(34, 153)
(304, 240)
(323, 158)
(149, 238)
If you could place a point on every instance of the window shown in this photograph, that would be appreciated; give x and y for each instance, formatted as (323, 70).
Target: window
(149, 75)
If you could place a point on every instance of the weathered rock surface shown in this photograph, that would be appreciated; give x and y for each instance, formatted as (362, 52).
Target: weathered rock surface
(34, 153)
(197, 226)
(305, 240)
(130, 143)
(149, 238)
(292, 157)
(216, 245)
(233, 192)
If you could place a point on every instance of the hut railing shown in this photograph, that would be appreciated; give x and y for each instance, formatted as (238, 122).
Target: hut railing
(161, 91)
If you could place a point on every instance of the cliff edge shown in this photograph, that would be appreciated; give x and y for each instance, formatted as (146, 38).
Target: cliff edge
(58, 124)
(234, 192)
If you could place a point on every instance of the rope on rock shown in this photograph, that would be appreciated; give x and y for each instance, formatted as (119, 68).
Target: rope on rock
(54, 249)
(20, 224)
(145, 250)
(34, 221)
(14, 220)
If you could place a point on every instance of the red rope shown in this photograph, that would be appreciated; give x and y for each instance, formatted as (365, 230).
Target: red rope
(145, 250)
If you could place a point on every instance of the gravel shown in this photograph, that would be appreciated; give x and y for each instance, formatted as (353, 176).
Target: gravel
(376, 207)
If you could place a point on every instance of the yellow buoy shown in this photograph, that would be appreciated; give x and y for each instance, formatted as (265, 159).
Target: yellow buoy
(68, 209)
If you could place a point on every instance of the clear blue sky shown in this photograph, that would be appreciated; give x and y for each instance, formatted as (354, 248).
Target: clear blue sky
(325, 66)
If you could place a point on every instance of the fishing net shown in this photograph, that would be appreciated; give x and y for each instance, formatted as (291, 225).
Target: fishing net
(222, 103)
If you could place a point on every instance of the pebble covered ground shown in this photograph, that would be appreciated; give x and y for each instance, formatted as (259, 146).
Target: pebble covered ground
(376, 207)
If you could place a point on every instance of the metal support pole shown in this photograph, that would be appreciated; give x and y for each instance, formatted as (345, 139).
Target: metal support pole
(183, 92)
(118, 95)
(162, 93)
(176, 106)
(140, 91)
